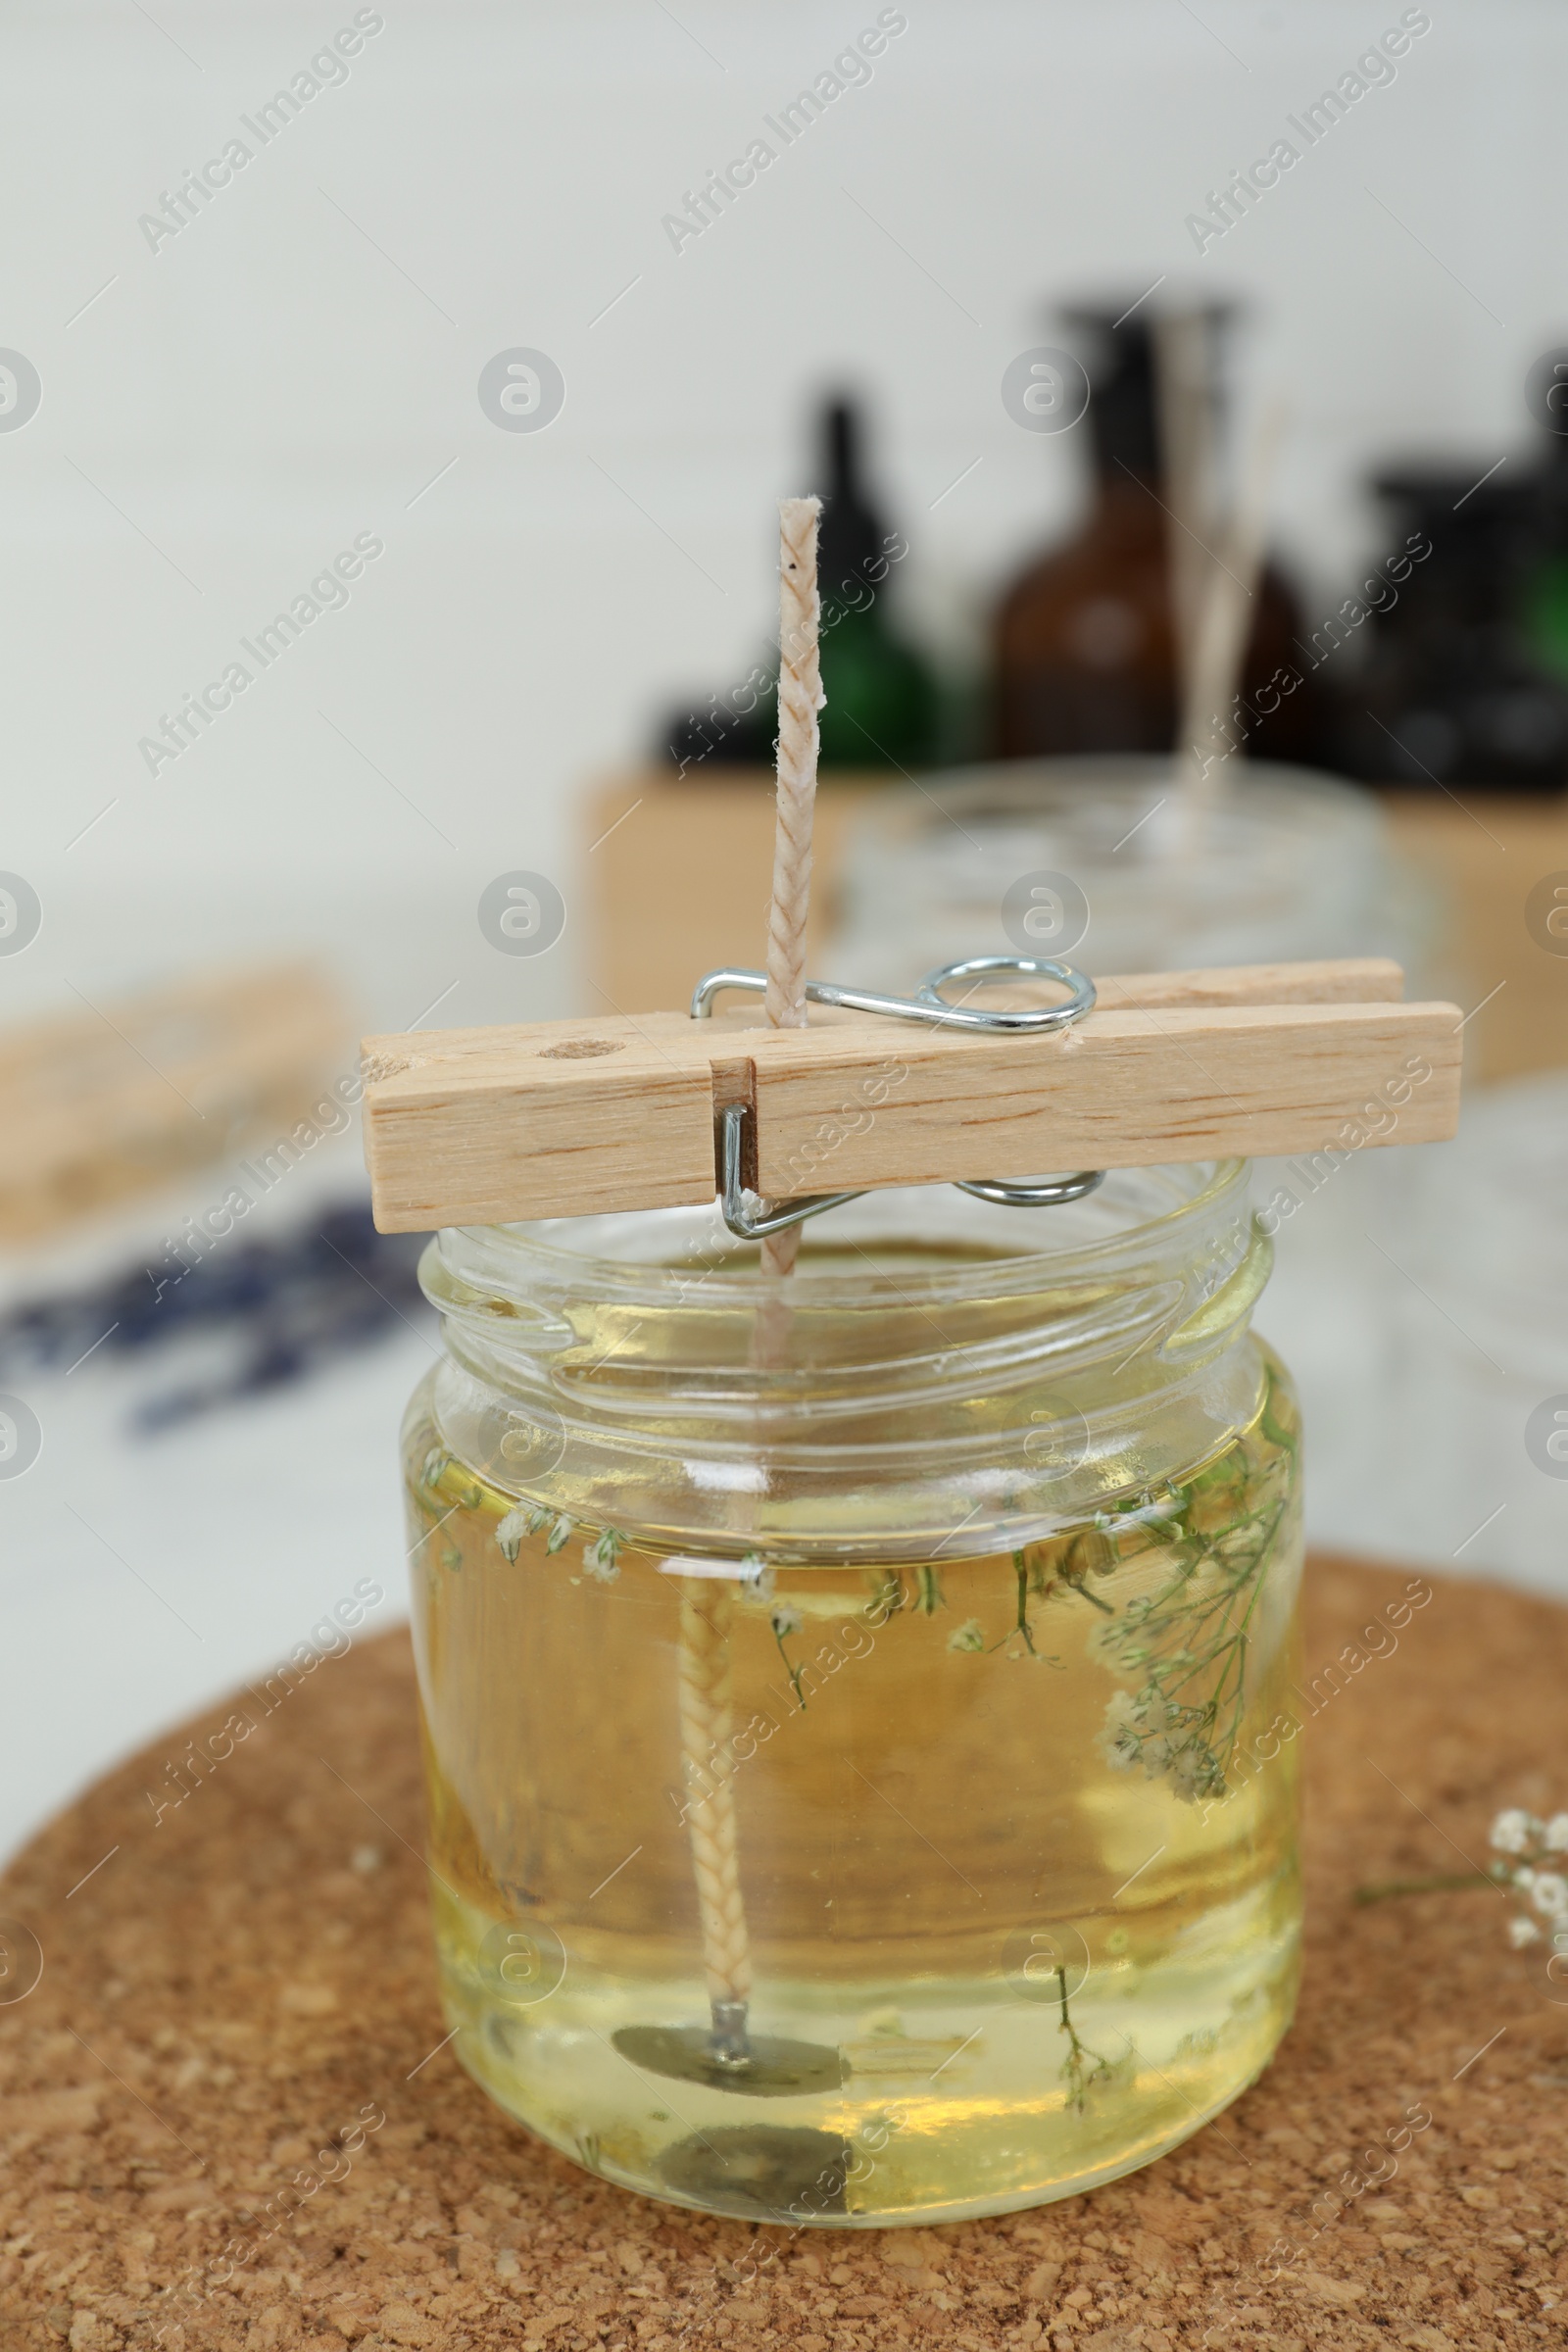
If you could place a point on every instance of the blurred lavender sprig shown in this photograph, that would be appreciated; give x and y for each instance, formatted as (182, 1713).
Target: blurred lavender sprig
(285, 1308)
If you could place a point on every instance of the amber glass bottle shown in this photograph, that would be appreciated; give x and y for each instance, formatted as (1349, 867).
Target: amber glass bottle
(1084, 647)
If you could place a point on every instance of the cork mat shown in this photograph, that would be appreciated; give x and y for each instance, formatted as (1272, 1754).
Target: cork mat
(227, 1988)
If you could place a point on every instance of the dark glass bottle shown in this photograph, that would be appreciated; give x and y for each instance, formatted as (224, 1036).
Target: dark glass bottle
(1084, 647)
(1453, 690)
(1543, 602)
(883, 707)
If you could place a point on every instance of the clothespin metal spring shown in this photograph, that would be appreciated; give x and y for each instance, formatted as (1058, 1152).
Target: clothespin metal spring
(931, 1007)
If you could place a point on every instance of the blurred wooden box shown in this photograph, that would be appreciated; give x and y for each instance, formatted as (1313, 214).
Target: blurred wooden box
(679, 875)
(1485, 856)
(677, 881)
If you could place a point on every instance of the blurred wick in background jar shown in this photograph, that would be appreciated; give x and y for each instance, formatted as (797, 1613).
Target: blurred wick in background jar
(1085, 645)
(1074, 857)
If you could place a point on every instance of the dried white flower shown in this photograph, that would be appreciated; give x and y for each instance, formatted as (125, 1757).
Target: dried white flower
(1169, 1740)
(1188, 1771)
(1121, 1741)
(785, 1620)
(601, 1559)
(1545, 1891)
(509, 1534)
(756, 1577)
(967, 1637)
(560, 1534)
(1549, 1894)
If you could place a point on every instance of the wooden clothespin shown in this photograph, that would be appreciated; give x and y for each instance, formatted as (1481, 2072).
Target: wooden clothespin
(571, 1118)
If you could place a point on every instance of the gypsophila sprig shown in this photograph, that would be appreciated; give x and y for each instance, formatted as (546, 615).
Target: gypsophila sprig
(531, 1519)
(561, 1534)
(1083, 2069)
(887, 1591)
(1029, 1579)
(602, 1557)
(969, 1636)
(786, 1620)
(929, 1595)
(1185, 1645)
(756, 1577)
(1532, 1859)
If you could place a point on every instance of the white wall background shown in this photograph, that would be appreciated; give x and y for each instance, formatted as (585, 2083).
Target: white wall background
(300, 364)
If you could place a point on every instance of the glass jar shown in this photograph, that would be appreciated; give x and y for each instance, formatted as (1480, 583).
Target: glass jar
(856, 1708)
(1294, 866)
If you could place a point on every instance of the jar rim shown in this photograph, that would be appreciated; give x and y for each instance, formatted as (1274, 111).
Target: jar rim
(1075, 787)
(939, 1374)
(509, 1260)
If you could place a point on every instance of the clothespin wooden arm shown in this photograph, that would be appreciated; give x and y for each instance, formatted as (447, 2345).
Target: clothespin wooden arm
(579, 1117)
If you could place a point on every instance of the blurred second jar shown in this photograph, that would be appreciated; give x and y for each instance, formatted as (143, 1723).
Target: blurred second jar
(1085, 859)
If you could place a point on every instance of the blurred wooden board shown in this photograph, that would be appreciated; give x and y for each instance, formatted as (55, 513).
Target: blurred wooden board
(102, 1102)
(677, 883)
(230, 1988)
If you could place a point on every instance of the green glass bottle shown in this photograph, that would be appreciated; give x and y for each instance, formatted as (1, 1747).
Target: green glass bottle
(1543, 600)
(885, 711)
(882, 699)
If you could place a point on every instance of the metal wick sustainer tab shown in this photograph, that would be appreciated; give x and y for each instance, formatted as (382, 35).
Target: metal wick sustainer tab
(931, 1007)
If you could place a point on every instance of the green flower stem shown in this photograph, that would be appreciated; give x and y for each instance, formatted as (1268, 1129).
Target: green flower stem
(1081, 2080)
(1443, 1881)
(1022, 1572)
(1075, 1583)
(793, 1672)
